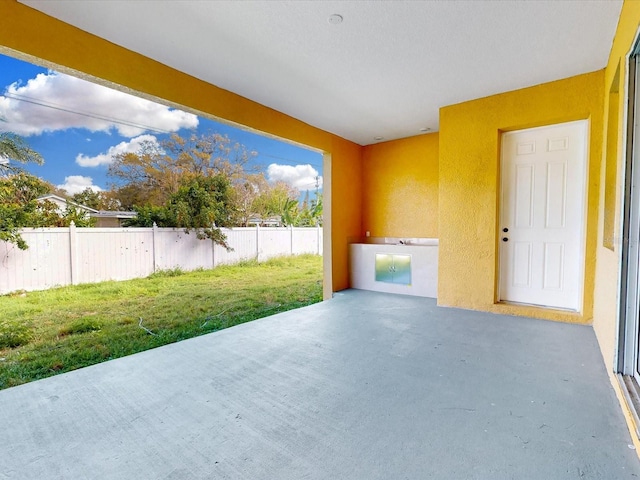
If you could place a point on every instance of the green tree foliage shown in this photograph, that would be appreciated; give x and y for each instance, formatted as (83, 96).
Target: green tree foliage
(201, 204)
(19, 207)
(290, 213)
(19, 192)
(310, 214)
(13, 148)
(280, 200)
(79, 217)
(148, 215)
(96, 200)
(275, 200)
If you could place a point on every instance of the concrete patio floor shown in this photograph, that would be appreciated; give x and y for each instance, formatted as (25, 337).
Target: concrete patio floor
(364, 386)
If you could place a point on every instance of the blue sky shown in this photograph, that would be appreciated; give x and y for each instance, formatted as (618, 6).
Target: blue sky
(76, 126)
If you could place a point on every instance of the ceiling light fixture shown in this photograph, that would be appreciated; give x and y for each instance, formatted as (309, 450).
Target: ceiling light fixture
(425, 129)
(377, 139)
(335, 19)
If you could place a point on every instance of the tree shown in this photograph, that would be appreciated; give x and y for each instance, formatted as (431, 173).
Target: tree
(19, 206)
(98, 200)
(148, 215)
(78, 216)
(14, 148)
(289, 213)
(156, 171)
(202, 204)
(278, 199)
(132, 196)
(244, 194)
(311, 212)
(19, 192)
(317, 210)
(145, 177)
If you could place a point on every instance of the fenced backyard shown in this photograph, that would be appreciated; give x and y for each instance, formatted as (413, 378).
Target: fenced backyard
(71, 256)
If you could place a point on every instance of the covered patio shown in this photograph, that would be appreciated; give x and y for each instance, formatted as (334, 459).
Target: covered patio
(366, 385)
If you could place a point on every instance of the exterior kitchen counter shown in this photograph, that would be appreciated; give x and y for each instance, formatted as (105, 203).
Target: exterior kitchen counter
(421, 280)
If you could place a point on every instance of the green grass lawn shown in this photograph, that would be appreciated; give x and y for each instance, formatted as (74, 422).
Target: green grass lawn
(58, 330)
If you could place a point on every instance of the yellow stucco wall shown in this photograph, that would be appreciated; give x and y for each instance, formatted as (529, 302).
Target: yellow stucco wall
(607, 285)
(400, 188)
(469, 186)
(607, 265)
(27, 32)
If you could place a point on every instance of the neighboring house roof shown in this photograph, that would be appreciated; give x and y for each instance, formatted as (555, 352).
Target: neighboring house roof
(112, 214)
(269, 221)
(62, 202)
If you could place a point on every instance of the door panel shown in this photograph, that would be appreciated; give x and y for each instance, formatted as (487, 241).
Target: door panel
(556, 190)
(553, 266)
(524, 195)
(384, 263)
(542, 215)
(522, 264)
(402, 269)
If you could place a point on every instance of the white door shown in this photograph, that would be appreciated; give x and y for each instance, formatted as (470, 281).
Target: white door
(541, 236)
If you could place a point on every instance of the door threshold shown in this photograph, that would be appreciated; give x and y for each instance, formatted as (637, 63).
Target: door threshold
(533, 305)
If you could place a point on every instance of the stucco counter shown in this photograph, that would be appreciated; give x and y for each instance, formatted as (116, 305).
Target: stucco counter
(421, 280)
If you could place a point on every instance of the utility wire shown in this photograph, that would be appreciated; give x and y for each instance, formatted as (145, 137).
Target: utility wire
(314, 184)
(34, 101)
(53, 106)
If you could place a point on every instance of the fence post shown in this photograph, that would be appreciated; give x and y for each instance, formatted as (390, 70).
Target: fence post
(154, 233)
(73, 251)
(318, 239)
(257, 242)
(213, 250)
(291, 240)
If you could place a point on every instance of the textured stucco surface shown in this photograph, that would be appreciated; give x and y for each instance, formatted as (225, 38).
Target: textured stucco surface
(607, 273)
(364, 386)
(607, 278)
(400, 188)
(469, 185)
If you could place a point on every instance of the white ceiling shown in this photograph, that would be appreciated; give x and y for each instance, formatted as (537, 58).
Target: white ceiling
(384, 71)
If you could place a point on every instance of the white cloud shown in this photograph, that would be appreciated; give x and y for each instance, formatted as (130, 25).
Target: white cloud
(302, 177)
(66, 94)
(77, 183)
(123, 147)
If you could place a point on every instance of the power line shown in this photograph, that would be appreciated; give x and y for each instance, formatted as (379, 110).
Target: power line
(53, 106)
(42, 103)
(314, 184)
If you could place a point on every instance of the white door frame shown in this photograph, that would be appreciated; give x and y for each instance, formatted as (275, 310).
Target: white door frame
(626, 361)
(583, 212)
(629, 259)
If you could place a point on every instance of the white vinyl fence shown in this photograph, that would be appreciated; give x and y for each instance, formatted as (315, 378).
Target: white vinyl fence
(65, 256)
